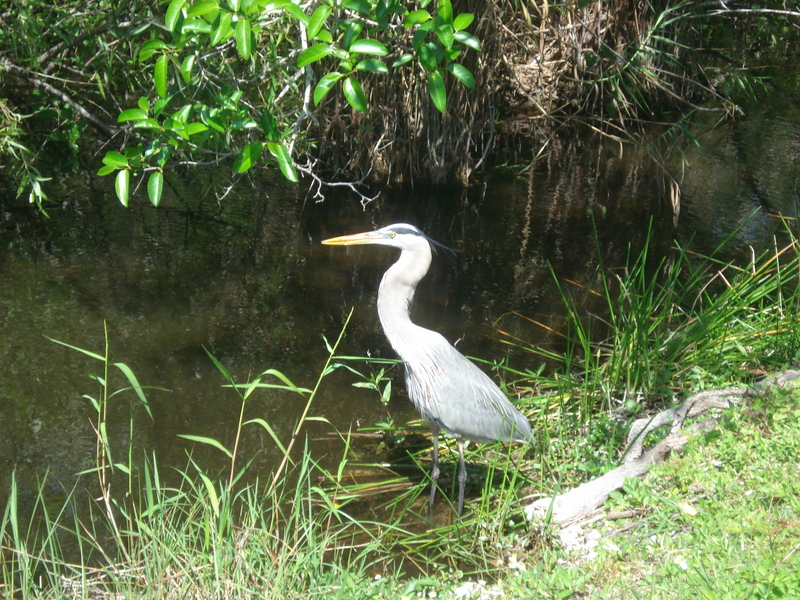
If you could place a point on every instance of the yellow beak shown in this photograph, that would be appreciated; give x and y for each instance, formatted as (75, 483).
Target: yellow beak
(368, 237)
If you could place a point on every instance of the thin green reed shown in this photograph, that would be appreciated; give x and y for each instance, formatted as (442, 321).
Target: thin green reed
(105, 461)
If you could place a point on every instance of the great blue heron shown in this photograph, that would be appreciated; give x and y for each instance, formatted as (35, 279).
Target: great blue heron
(449, 391)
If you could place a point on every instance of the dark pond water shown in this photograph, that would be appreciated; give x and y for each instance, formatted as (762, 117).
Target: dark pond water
(247, 280)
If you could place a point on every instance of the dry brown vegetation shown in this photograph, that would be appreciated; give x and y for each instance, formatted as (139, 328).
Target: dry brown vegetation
(541, 64)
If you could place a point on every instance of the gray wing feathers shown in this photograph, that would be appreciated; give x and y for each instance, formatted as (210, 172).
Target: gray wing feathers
(454, 394)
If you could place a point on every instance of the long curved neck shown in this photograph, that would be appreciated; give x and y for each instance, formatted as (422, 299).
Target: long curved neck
(396, 292)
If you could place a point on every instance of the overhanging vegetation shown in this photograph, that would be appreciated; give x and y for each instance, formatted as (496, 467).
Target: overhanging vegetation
(352, 92)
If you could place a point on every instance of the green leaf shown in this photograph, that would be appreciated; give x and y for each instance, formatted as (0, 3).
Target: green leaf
(284, 161)
(122, 186)
(132, 379)
(463, 74)
(363, 46)
(416, 17)
(107, 170)
(405, 58)
(372, 65)
(160, 76)
(155, 185)
(287, 383)
(221, 30)
(452, 53)
(313, 54)
(426, 54)
(324, 36)
(154, 45)
(88, 353)
(147, 124)
(468, 40)
(436, 89)
(160, 105)
(122, 467)
(247, 157)
(115, 159)
(221, 368)
(150, 48)
(215, 123)
(297, 13)
(234, 4)
(132, 114)
(198, 9)
(359, 6)
(270, 431)
(354, 94)
(243, 124)
(195, 128)
(269, 126)
(317, 20)
(187, 67)
(182, 114)
(463, 21)
(196, 25)
(244, 38)
(325, 85)
(445, 34)
(275, 5)
(352, 32)
(162, 154)
(208, 441)
(446, 11)
(174, 14)
(143, 103)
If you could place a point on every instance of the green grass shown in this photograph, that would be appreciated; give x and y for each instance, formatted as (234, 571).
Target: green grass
(719, 521)
(664, 325)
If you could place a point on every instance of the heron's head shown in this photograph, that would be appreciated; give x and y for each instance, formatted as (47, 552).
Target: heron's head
(399, 235)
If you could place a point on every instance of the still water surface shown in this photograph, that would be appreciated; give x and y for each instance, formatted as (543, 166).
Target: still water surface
(247, 280)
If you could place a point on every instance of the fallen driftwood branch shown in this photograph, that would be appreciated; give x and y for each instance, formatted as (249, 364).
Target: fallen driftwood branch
(583, 501)
(675, 417)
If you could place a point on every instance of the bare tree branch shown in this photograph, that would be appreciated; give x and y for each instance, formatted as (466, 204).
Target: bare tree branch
(33, 79)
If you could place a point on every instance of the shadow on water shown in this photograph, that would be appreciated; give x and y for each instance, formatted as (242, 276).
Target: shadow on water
(247, 280)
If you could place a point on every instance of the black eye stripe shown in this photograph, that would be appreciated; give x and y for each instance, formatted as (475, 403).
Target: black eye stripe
(399, 230)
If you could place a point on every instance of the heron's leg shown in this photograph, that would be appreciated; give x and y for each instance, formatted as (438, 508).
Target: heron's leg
(462, 475)
(434, 468)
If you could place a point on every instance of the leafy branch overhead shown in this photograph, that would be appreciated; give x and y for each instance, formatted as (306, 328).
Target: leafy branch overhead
(203, 110)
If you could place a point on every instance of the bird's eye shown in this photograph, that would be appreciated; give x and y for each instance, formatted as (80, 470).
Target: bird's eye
(392, 234)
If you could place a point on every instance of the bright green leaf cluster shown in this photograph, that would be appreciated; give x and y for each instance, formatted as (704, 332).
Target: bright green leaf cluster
(190, 113)
(348, 49)
(437, 42)
(191, 126)
(168, 128)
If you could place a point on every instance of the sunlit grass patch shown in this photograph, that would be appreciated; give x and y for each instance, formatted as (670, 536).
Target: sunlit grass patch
(668, 326)
(721, 521)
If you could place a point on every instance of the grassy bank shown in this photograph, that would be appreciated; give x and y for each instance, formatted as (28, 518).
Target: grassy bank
(719, 521)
